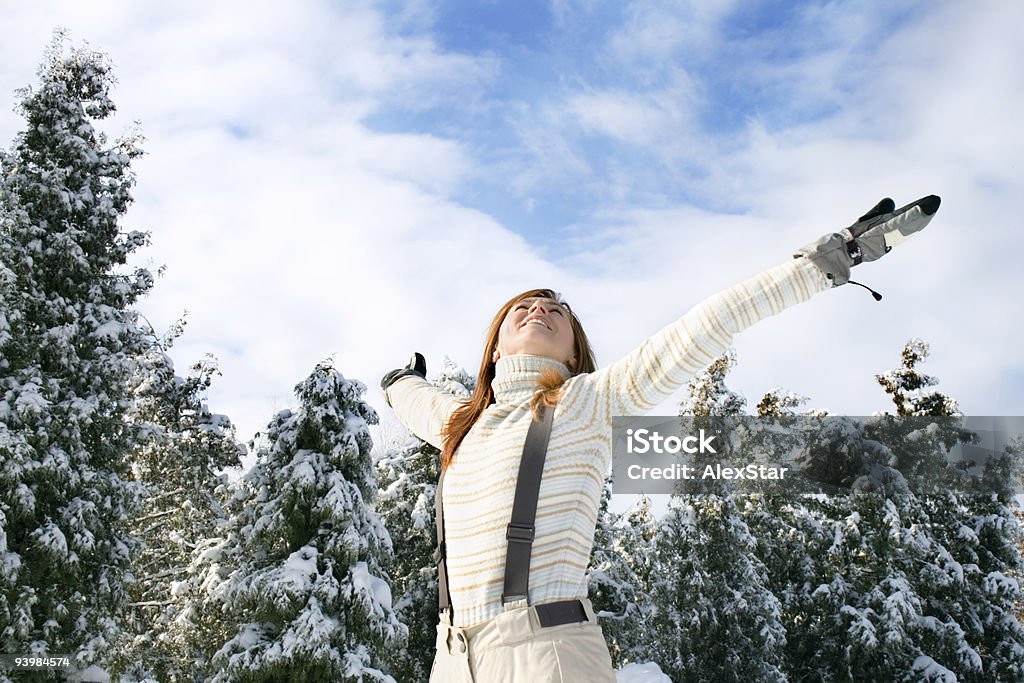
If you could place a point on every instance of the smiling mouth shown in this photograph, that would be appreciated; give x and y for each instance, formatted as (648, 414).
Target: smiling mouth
(536, 321)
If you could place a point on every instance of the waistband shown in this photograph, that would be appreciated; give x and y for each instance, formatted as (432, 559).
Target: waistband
(518, 623)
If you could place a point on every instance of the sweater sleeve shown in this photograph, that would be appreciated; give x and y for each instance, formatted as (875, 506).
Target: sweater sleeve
(422, 408)
(665, 361)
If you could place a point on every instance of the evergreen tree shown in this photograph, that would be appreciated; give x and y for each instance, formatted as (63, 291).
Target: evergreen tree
(620, 577)
(408, 480)
(295, 583)
(714, 617)
(183, 449)
(68, 349)
(970, 586)
(892, 581)
(906, 385)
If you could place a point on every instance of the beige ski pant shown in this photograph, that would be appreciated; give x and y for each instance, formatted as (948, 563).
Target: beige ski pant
(514, 648)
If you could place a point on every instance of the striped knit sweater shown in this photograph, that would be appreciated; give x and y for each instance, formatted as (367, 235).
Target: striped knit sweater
(480, 483)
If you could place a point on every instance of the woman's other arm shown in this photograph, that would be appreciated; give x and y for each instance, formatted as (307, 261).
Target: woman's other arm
(420, 406)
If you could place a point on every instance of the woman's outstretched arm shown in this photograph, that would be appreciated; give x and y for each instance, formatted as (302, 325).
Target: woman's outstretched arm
(665, 361)
(420, 406)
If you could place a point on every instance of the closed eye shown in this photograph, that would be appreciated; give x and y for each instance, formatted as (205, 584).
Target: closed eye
(552, 307)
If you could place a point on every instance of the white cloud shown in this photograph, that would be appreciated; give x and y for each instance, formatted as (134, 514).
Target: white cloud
(912, 117)
(656, 30)
(292, 231)
(918, 118)
(663, 116)
(547, 153)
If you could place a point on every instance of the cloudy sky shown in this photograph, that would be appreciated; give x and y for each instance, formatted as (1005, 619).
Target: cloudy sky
(360, 180)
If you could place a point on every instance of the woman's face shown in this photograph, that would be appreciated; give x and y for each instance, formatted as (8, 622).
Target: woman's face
(537, 326)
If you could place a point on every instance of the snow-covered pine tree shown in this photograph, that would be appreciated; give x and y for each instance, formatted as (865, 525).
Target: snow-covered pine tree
(846, 565)
(892, 583)
(620, 576)
(714, 617)
(68, 349)
(973, 587)
(408, 479)
(788, 539)
(182, 451)
(1018, 514)
(296, 582)
(406, 507)
(906, 385)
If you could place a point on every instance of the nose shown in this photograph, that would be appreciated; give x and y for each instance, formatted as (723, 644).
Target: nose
(538, 305)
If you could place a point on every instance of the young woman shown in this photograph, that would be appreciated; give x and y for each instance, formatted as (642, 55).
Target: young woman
(537, 359)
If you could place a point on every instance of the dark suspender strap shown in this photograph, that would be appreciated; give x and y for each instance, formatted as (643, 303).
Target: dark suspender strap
(441, 554)
(521, 530)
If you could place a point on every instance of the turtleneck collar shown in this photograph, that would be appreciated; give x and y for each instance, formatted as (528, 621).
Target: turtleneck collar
(515, 377)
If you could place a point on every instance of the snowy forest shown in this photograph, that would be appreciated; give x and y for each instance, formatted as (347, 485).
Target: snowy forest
(128, 544)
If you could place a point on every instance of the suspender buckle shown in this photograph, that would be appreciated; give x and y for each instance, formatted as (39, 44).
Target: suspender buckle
(520, 533)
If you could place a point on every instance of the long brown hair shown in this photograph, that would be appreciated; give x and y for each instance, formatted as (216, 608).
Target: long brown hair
(548, 386)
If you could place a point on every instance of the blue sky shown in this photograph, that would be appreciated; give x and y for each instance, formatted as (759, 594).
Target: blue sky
(362, 180)
(610, 83)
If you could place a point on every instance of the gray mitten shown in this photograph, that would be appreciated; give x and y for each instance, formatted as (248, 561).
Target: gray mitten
(870, 238)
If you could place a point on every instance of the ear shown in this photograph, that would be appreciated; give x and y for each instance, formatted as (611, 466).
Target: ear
(495, 356)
